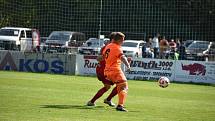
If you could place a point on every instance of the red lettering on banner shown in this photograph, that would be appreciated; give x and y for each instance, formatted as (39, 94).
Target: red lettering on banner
(90, 57)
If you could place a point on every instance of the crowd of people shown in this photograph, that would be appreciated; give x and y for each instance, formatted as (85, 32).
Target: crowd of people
(159, 47)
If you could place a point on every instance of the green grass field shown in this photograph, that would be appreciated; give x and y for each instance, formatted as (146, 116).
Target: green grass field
(49, 97)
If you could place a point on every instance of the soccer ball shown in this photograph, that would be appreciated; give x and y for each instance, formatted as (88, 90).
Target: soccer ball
(163, 82)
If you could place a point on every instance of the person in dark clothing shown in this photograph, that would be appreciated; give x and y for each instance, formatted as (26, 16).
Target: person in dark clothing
(181, 51)
(147, 49)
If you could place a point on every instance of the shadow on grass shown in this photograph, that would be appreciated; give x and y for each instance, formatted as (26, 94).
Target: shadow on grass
(71, 106)
(79, 107)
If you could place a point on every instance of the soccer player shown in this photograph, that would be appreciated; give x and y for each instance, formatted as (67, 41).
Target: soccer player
(107, 84)
(113, 56)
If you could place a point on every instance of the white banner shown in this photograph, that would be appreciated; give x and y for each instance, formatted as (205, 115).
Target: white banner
(36, 62)
(153, 69)
(195, 71)
(86, 64)
(150, 69)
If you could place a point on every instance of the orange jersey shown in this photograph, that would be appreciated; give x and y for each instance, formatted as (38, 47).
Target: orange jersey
(112, 55)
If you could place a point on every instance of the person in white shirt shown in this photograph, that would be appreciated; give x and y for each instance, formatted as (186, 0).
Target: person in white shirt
(155, 45)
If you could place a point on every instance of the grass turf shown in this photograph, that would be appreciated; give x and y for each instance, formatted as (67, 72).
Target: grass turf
(50, 97)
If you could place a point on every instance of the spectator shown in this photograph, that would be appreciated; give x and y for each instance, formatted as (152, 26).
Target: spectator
(178, 43)
(164, 47)
(181, 51)
(172, 44)
(173, 53)
(147, 50)
(155, 45)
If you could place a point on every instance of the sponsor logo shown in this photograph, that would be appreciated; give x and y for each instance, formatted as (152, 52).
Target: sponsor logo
(88, 63)
(154, 65)
(31, 65)
(7, 63)
(194, 69)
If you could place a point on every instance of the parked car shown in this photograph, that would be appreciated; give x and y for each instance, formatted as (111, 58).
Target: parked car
(187, 43)
(61, 41)
(197, 49)
(209, 54)
(92, 46)
(10, 37)
(133, 48)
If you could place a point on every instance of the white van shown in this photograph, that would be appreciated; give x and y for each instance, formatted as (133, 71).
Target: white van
(10, 37)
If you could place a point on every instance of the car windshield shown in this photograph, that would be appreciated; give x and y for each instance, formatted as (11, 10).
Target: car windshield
(9, 32)
(60, 36)
(95, 43)
(129, 44)
(188, 42)
(199, 45)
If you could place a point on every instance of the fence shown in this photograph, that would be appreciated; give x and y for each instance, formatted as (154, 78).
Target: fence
(138, 19)
(186, 19)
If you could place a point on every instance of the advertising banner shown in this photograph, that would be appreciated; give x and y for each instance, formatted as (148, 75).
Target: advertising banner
(141, 68)
(150, 69)
(86, 64)
(195, 71)
(34, 62)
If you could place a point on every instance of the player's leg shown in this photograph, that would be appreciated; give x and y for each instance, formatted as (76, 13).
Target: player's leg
(99, 94)
(122, 89)
(111, 95)
(101, 91)
(120, 80)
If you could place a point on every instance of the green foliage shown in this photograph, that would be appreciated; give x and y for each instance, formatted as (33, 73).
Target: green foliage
(49, 97)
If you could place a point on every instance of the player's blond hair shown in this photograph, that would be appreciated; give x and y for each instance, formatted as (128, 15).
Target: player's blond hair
(118, 36)
(111, 36)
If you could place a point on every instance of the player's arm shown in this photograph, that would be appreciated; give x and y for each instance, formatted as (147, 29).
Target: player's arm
(125, 61)
(100, 56)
